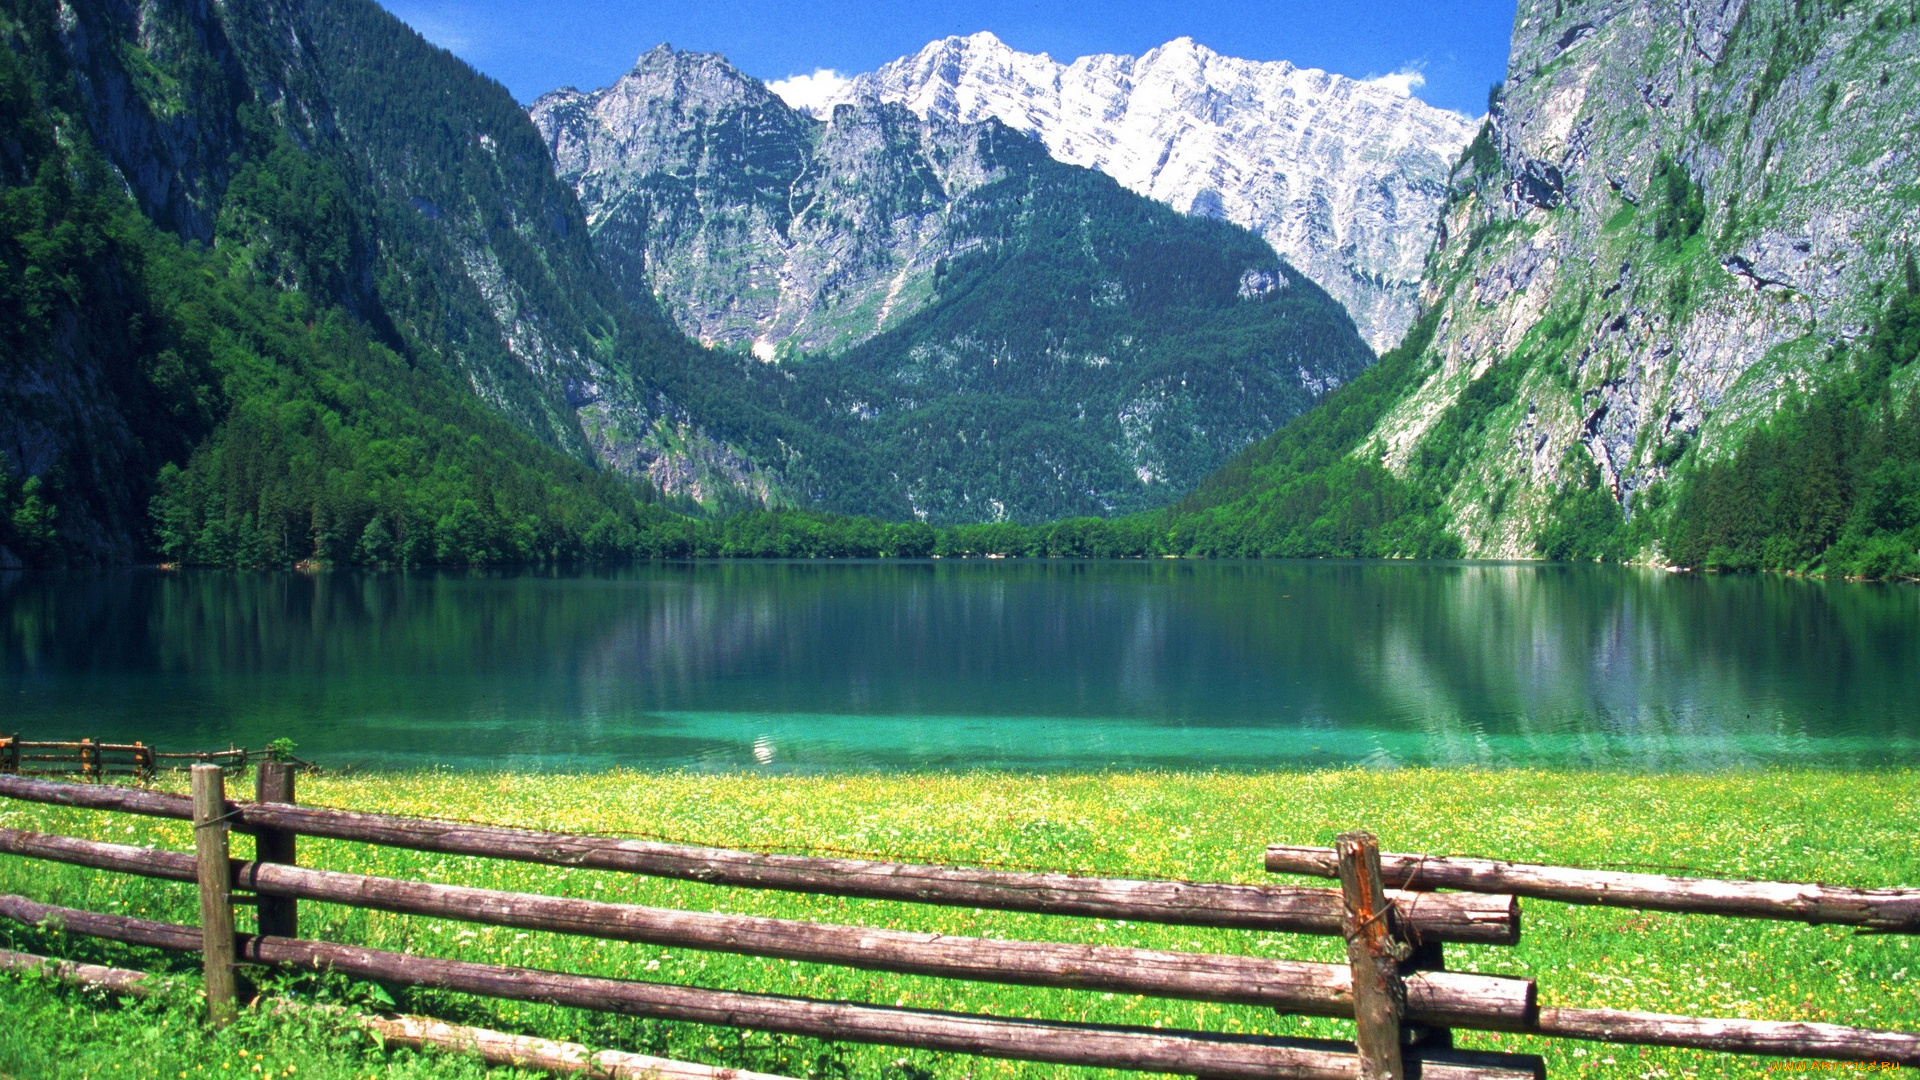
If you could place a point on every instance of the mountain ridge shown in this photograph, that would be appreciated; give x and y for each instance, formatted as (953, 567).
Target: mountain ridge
(1086, 380)
(1344, 177)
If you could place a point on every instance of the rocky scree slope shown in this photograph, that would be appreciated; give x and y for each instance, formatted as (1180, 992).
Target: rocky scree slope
(1016, 338)
(1679, 218)
(1345, 178)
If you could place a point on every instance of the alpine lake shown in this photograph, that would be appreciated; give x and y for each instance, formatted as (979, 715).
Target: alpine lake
(1034, 666)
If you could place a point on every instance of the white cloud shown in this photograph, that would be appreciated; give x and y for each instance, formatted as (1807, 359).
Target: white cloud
(811, 93)
(1403, 82)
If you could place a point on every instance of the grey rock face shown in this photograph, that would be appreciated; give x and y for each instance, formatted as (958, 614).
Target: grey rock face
(1566, 251)
(755, 225)
(1346, 179)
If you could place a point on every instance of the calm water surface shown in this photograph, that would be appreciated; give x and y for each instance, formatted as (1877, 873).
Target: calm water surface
(1018, 665)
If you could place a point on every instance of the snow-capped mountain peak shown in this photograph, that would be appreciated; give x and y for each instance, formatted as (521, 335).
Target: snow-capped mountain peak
(1345, 177)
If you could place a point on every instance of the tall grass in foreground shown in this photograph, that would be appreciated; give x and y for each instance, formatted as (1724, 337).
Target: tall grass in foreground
(1846, 828)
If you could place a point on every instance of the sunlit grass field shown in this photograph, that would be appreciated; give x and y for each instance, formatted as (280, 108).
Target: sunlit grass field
(1843, 828)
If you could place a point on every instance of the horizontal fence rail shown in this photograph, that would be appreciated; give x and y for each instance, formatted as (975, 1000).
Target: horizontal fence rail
(1425, 916)
(1224, 1057)
(1887, 910)
(419, 1032)
(1440, 998)
(1771, 1038)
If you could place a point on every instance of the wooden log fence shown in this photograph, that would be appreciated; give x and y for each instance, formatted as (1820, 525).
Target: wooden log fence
(1406, 1006)
(91, 759)
(1493, 920)
(1226, 1057)
(85, 759)
(1874, 910)
(1443, 998)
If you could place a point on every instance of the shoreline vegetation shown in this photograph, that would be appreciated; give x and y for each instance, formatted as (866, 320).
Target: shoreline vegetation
(1840, 827)
(1829, 487)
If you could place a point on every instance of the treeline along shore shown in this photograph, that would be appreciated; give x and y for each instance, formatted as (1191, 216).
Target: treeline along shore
(1830, 486)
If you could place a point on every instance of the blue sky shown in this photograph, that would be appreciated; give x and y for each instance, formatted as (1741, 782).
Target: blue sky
(1458, 49)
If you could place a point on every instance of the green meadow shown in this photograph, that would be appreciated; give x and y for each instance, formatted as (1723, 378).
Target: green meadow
(1853, 828)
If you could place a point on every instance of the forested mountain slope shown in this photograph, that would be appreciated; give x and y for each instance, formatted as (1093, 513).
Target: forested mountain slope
(1016, 338)
(320, 166)
(1680, 251)
(223, 396)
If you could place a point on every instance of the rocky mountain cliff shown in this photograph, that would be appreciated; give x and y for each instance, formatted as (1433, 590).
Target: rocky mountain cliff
(1692, 207)
(1680, 218)
(753, 225)
(1345, 178)
(1016, 337)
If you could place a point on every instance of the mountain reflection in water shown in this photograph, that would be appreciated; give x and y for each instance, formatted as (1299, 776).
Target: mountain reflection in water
(948, 665)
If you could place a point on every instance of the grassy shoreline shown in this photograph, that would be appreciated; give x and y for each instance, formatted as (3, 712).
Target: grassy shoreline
(1850, 828)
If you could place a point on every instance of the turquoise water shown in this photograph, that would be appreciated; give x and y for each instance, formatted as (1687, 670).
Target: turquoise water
(1042, 665)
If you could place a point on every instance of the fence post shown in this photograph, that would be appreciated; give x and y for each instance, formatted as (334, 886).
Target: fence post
(89, 760)
(1426, 956)
(144, 764)
(216, 892)
(1379, 998)
(9, 753)
(273, 782)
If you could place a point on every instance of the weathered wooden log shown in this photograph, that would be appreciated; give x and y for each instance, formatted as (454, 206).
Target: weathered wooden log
(1443, 998)
(119, 858)
(1892, 910)
(159, 804)
(1378, 998)
(527, 1052)
(1227, 1057)
(214, 875)
(419, 1032)
(112, 979)
(1427, 917)
(1768, 1037)
(273, 782)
